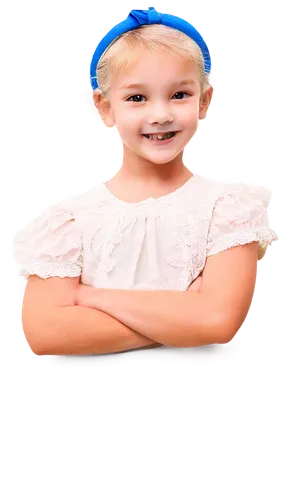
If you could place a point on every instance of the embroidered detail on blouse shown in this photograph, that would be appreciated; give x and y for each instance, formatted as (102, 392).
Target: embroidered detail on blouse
(159, 245)
(191, 239)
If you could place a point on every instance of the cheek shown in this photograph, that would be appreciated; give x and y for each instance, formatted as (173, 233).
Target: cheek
(191, 113)
(130, 123)
(126, 113)
(194, 119)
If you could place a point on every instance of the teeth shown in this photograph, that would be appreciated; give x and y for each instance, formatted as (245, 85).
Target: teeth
(158, 137)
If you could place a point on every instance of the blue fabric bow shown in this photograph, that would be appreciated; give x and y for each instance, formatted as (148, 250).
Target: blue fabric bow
(150, 16)
(137, 18)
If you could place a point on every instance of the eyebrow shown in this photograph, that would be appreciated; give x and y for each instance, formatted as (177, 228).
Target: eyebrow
(138, 85)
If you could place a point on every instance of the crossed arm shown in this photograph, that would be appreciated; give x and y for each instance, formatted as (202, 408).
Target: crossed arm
(173, 318)
(84, 293)
(210, 315)
(61, 317)
(117, 320)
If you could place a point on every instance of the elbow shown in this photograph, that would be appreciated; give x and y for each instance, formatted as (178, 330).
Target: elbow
(45, 349)
(36, 341)
(35, 346)
(216, 329)
(40, 335)
(214, 332)
(44, 345)
(225, 331)
(41, 347)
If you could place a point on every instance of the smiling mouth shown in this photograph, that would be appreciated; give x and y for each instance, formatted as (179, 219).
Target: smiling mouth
(166, 136)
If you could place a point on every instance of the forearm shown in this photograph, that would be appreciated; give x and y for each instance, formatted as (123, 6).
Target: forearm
(82, 330)
(174, 318)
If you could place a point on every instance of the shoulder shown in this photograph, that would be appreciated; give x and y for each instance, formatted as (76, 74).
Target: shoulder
(89, 200)
(240, 216)
(51, 243)
(244, 192)
(205, 191)
(222, 187)
(76, 204)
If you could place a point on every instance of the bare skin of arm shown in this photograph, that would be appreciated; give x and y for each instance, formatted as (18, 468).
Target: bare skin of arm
(194, 287)
(55, 321)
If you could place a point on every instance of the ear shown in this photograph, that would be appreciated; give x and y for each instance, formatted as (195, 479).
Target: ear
(205, 102)
(103, 106)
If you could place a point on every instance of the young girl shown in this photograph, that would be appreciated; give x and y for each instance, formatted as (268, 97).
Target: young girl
(155, 224)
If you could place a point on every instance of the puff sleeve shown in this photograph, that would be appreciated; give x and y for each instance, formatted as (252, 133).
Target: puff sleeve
(239, 217)
(50, 245)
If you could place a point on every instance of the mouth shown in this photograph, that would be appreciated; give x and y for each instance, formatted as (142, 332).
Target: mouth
(166, 138)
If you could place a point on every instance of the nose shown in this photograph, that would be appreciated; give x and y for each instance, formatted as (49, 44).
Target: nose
(160, 114)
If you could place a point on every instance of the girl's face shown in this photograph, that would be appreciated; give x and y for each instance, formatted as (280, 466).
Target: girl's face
(152, 98)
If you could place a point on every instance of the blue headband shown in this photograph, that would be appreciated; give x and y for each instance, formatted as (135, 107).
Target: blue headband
(137, 18)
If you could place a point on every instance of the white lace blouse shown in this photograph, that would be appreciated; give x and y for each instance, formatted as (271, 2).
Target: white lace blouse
(157, 243)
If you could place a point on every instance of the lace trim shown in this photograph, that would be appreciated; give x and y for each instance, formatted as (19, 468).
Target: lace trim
(49, 269)
(264, 236)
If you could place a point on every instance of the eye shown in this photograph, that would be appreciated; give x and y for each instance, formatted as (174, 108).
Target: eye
(140, 95)
(182, 93)
(137, 95)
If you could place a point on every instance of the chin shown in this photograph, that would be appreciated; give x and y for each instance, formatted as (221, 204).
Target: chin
(161, 160)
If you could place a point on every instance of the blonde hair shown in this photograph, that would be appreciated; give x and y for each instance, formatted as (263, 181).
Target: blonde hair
(123, 52)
